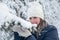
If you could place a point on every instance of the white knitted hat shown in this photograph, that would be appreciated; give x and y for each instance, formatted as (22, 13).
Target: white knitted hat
(35, 10)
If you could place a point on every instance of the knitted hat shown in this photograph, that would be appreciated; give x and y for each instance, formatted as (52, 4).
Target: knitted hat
(35, 10)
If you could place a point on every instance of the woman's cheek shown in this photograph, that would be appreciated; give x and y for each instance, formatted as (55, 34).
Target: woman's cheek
(37, 21)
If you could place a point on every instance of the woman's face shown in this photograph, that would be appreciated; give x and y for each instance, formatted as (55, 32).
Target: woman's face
(35, 20)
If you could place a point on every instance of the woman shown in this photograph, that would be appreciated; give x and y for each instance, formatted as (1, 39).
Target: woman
(44, 31)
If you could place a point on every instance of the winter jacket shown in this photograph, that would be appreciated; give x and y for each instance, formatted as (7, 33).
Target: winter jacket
(48, 33)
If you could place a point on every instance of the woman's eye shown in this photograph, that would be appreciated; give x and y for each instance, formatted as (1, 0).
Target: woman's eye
(35, 17)
(30, 18)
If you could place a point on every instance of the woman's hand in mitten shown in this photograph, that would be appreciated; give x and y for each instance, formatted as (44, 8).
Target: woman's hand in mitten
(21, 31)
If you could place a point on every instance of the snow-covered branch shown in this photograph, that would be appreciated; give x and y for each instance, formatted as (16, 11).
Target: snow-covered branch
(8, 20)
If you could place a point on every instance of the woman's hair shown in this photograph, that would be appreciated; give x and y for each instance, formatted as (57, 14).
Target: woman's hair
(41, 26)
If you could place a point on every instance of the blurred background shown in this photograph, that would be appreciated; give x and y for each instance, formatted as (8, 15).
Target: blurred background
(19, 8)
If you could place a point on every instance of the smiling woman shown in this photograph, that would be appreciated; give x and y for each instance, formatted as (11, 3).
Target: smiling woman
(51, 11)
(44, 30)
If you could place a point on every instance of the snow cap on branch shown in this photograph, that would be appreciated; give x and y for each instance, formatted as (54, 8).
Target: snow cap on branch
(7, 16)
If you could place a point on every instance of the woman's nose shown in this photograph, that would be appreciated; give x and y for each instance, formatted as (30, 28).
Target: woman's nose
(32, 21)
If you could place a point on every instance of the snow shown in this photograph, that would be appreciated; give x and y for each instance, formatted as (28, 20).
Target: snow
(6, 17)
(19, 8)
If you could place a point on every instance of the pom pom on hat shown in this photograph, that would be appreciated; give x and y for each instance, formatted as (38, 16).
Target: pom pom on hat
(35, 10)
